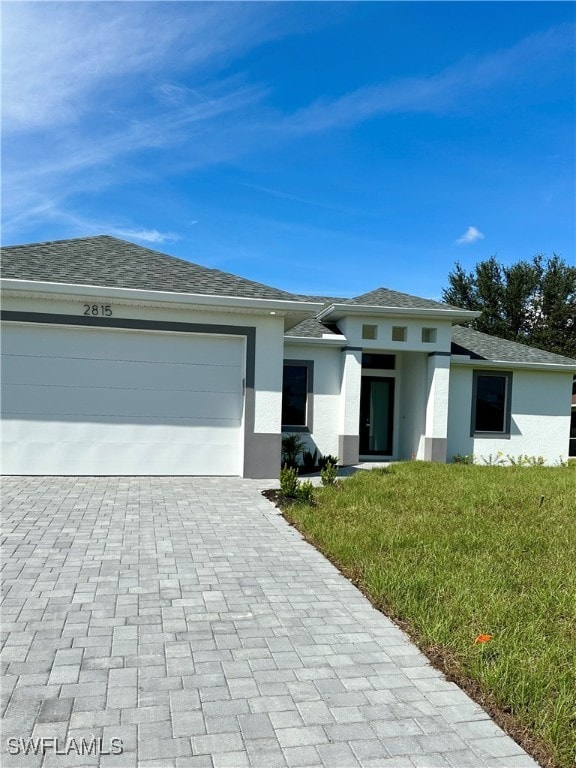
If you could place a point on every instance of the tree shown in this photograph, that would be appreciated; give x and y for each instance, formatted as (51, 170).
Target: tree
(532, 302)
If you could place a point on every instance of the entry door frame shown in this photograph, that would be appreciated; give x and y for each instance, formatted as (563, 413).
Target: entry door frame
(365, 393)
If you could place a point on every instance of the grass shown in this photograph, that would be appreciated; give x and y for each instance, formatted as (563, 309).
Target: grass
(455, 551)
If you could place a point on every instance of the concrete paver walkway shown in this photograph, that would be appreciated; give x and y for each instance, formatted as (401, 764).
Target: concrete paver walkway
(184, 617)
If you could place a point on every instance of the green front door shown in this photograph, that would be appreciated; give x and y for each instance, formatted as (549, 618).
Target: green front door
(376, 416)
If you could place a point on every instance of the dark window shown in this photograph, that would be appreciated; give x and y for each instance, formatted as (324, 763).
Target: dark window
(381, 362)
(294, 395)
(491, 406)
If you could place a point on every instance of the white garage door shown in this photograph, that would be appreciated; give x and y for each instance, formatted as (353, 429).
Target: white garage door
(81, 401)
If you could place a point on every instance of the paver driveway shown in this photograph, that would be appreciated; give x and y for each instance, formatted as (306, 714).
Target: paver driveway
(186, 618)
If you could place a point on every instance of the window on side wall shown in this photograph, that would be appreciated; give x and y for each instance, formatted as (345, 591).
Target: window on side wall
(296, 394)
(491, 403)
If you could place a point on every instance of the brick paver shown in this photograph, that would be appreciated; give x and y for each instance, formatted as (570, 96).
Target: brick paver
(184, 617)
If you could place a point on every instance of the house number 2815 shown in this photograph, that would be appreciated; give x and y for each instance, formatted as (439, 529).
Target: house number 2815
(98, 310)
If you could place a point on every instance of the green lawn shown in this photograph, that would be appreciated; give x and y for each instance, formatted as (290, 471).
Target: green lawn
(456, 551)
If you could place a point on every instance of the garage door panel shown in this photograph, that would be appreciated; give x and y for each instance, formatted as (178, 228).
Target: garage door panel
(113, 344)
(184, 376)
(128, 459)
(86, 402)
(82, 432)
(94, 401)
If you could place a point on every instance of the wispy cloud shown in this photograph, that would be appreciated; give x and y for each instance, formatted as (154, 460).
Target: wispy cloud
(62, 62)
(50, 211)
(157, 129)
(456, 87)
(470, 236)
(322, 204)
(144, 235)
(88, 87)
(92, 88)
(40, 180)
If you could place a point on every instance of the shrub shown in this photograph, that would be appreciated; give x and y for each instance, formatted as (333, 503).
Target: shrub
(463, 458)
(305, 492)
(292, 447)
(323, 461)
(292, 488)
(329, 473)
(309, 461)
(288, 482)
(494, 461)
(523, 460)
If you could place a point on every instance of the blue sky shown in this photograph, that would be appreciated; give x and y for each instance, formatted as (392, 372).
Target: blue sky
(318, 147)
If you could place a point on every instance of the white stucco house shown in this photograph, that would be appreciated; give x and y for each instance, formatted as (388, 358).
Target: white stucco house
(119, 360)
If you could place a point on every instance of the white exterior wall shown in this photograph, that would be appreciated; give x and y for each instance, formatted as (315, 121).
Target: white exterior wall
(349, 440)
(351, 383)
(268, 374)
(438, 379)
(412, 397)
(326, 395)
(351, 327)
(540, 420)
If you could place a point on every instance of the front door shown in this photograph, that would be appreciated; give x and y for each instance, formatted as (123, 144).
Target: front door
(376, 415)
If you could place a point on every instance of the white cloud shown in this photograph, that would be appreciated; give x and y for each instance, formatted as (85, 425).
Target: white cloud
(470, 236)
(452, 88)
(64, 61)
(144, 235)
(89, 86)
(80, 225)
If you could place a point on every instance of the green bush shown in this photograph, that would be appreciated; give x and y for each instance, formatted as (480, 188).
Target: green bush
(292, 447)
(463, 458)
(305, 492)
(309, 461)
(323, 461)
(523, 460)
(292, 488)
(329, 474)
(289, 482)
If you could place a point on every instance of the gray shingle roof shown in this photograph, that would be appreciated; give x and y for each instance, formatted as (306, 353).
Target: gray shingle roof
(465, 341)
(108, 261)
(310, 328)
(384, 297)
(481, 346)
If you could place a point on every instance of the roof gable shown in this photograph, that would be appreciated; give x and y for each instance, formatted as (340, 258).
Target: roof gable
(111, 262)
(384, 297)
(311, 328)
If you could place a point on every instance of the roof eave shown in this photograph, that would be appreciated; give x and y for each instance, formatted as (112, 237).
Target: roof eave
(337, 311)
(325, 341)
(68, 290)
(461, 360)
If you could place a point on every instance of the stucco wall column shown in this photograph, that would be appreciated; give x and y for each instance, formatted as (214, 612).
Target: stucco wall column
(438, 385)
(349, 432)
